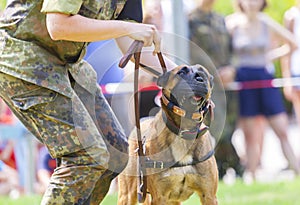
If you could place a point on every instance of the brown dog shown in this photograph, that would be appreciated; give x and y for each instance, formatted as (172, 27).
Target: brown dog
(179, 154)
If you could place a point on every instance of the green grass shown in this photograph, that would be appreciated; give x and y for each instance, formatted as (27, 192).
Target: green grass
(277, 193)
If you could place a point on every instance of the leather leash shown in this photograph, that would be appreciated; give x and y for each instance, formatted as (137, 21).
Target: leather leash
(134, 47)
(135, 50)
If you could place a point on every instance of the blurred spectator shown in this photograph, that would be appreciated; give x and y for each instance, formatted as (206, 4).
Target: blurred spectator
(7, 153)
(257, 41)
(14, 145)
(8, 179)
(291, 63)
(208, 31)
(45, 167)
(153, 13)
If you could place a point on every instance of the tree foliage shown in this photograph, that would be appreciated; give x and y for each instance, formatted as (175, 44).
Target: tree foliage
(2, 4)
(275, 8)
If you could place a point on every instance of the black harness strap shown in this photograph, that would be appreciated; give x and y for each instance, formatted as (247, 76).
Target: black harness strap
(185, 134)
(164, 165)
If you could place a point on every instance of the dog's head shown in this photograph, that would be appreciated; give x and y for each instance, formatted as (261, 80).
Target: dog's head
(187, 87)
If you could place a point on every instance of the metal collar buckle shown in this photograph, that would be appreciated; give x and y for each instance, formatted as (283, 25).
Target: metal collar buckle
(158, 164)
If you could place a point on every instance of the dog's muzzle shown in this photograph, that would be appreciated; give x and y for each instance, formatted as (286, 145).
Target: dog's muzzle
(187, 93)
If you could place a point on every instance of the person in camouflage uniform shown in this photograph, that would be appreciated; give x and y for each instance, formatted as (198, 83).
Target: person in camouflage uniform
(48, 86)
(207, 29)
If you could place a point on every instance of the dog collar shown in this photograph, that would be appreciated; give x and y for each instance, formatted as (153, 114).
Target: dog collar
(185, 134)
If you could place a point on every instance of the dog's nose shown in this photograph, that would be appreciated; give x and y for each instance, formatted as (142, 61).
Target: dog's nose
(198, 77)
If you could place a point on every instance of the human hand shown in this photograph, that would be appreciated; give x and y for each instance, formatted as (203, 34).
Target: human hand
(227, 74)
(288, 92)
(146, 33)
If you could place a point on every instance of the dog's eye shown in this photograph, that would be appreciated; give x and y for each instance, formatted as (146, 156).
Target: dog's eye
(183, 71)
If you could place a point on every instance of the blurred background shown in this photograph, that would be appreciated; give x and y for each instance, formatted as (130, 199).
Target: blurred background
(25, 164)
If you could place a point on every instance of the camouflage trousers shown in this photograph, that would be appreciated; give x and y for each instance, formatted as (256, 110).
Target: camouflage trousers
(81, 132)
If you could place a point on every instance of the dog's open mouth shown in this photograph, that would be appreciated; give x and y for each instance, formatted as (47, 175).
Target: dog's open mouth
(196, 100)
(190, 101)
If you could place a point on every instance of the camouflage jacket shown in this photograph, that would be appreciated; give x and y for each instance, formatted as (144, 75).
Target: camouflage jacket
(27, 51)
(208, 31)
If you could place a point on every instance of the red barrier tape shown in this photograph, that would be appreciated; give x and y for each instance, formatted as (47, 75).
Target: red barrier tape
(256, 84)
(121, 88)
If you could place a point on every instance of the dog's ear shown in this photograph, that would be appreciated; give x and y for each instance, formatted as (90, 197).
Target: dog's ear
(163, 79)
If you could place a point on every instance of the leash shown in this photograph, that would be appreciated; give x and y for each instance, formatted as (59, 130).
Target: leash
(135, 51)
(134, 47)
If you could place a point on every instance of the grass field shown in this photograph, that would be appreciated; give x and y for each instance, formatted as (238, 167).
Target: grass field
(277, 193)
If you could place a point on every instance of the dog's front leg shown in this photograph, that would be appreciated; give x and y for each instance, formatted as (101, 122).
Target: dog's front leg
(160, 201)
(156, 201)
(208, 200)
(208, 191)
(127, 194)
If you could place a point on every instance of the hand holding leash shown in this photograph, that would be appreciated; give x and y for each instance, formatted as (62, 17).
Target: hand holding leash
(136, 47)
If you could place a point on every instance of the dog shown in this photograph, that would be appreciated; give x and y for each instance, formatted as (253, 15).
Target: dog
(179, 156)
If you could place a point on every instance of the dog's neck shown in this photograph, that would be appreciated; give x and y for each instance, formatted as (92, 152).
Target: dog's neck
(179, 111)
(185, 128)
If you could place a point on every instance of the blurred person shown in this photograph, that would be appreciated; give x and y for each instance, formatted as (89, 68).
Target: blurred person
(7, 154)
(45, 168)
(291, 63)
(53, 91)
(208, 30)
(8, 179)
(258, 40)
(14, 144)
(153, 13)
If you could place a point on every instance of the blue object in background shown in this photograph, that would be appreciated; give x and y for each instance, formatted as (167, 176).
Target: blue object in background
(104, 56)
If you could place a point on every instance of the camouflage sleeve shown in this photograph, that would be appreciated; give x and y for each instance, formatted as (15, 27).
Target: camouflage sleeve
(62, 6)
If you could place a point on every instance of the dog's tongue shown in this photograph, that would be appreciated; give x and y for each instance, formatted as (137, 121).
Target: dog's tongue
(197, 98)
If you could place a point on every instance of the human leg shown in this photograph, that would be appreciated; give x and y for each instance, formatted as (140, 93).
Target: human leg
(225, 152)
(274, 109)
(253, 129)
(113, 135)
(64, 125)
(296, 104)
(279, 124)
(251, 120)
(74, 179)
(8, 179)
